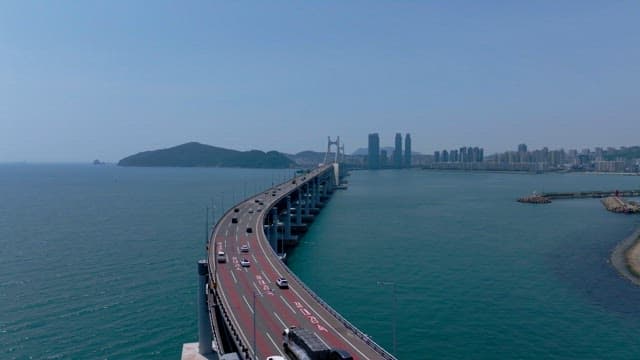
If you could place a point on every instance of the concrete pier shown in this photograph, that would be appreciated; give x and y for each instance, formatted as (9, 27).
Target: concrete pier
(617, 205)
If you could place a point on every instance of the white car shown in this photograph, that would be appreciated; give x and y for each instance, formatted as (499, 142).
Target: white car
(244, 248)
(245, 263)
(282, 283)
(222, 258)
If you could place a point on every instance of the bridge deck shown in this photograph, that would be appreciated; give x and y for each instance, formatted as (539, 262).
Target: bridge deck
(275, 308)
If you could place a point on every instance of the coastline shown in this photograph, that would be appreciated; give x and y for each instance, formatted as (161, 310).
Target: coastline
(625, 257)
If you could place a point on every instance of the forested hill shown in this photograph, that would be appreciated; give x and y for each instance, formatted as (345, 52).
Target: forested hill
(194, 154)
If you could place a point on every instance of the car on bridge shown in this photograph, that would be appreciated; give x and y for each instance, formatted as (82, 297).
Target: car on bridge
(245, 263)
(282, 283)
(221, 257)
(244, 248)
(249, 230)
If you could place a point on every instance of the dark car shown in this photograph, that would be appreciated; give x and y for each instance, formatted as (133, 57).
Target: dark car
(338, 354)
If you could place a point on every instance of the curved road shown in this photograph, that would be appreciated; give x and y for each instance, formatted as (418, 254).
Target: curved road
(275, 309)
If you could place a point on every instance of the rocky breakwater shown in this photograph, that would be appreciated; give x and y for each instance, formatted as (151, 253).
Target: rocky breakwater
(618, 205)
(534, 199)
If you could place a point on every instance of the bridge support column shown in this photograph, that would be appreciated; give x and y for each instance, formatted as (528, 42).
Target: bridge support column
(307, 200)
(314, 191)
(325, 188)
(299, 209)
(287, 221)
(205, 335)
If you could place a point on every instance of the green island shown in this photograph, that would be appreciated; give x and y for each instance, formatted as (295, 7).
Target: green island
(194, 154)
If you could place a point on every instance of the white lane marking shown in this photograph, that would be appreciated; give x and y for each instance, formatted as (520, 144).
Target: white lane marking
(286, 303)
(279, 319)
(257, 288)
(266, 277)
(226, 233)
(254, 258)
(274, 344)
(235, 280)
(246, 302)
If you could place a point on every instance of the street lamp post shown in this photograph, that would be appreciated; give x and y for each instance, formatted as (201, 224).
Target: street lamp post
(395, 309)
(254, 326)
(206, 233)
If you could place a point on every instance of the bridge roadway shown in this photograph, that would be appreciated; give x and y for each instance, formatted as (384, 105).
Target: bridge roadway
(275, 308)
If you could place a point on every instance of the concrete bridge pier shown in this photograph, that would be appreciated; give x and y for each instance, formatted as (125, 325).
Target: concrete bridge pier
(205, 335)
(287, 237)
(299, 226)
(325, 189)
(299, 209)
(307, 196)
(314, 194)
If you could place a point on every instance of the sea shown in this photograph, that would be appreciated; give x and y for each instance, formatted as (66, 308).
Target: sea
(99, 262)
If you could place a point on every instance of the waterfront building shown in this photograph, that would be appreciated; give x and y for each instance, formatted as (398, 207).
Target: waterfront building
(522, 148)
(453, 156)
(397, 152)
(468, 154)
(436, 156)
(445, 156)
(374, 151)
(407, 150)
(384, 159)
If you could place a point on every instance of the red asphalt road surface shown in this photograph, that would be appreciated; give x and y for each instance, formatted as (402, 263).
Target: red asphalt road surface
(275, 308)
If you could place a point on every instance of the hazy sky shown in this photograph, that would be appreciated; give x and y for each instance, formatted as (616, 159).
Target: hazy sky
(81, 80)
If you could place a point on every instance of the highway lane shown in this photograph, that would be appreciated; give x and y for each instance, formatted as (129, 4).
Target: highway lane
(275, 308)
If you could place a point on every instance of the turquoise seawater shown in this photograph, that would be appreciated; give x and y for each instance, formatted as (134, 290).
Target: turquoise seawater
(99, 262)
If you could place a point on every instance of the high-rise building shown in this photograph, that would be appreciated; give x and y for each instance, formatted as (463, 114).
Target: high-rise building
(384, 158)
(522, 148)
(436, 156)
(407, 150)
(397, 152)
(462, 154)
(374, 151)
(445, 156)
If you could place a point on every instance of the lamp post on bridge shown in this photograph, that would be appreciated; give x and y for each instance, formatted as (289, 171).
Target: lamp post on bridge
(395, 309)
(206, 234)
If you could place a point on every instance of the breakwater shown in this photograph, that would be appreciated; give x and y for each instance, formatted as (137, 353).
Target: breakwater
(547, 197)
(624, 257)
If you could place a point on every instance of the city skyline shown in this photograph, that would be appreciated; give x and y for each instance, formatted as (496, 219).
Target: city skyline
(86, 80)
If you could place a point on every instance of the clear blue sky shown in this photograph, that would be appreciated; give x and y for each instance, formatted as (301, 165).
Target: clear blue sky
(81, 80)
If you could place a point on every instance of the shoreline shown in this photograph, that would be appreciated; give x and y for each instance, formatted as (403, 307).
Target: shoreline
(625, 257)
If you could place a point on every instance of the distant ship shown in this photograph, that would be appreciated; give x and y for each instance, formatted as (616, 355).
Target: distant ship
(98, 162)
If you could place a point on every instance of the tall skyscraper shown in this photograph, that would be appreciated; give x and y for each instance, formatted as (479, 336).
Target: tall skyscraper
(374, 151)
(397, 152)
(522, 148)
(407, 150)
